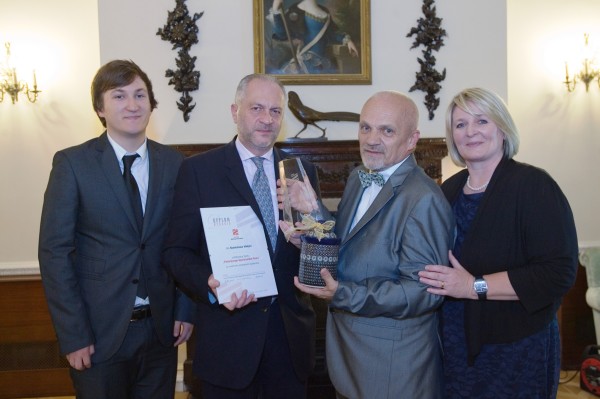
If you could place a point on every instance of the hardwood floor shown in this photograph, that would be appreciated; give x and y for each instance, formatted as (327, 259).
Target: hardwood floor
(178, 395)
(568, 389)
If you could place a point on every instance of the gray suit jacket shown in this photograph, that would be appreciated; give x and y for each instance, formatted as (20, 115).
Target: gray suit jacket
(382, 328)
(91, 251)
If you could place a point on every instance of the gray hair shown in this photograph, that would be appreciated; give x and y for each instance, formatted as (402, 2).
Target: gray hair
(243, 85)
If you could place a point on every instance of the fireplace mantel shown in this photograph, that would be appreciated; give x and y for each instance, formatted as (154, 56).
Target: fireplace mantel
(336, 159)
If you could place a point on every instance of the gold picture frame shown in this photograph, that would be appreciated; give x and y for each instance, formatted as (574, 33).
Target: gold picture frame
(327, 59)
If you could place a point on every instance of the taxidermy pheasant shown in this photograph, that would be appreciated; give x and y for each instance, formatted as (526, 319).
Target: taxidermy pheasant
(309, 116)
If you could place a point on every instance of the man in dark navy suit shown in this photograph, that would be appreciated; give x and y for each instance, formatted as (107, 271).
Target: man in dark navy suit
(248, 346)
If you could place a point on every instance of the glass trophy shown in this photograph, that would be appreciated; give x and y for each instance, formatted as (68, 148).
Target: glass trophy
(320, 246)
(292, 170)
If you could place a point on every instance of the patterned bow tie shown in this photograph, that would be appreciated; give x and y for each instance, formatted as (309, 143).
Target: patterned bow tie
(367, 178)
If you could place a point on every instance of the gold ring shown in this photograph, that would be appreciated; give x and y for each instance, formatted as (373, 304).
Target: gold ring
(442, 285)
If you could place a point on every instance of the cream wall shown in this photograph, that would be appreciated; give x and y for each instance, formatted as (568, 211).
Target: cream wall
(560, 131)
(80, 35)
(58, 38)
(225, 54)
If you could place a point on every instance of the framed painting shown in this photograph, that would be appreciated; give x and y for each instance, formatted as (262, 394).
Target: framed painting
(317, 42)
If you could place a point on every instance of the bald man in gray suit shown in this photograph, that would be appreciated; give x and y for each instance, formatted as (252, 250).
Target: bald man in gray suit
(382, 329)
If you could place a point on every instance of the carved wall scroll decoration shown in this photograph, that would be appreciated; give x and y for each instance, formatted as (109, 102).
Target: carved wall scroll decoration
(182, 31)
(429, 34)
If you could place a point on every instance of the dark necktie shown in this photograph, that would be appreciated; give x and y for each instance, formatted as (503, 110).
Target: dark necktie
(262, 193)
(136, 201)
(366, 179)
(133, 189)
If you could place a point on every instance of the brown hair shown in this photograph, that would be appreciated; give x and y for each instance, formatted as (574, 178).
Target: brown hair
(117, 73)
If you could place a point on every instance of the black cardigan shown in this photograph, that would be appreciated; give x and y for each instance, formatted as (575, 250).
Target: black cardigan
(524, 225)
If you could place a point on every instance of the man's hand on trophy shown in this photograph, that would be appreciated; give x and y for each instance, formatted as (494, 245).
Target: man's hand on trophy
(301, 195)
(326, 292)
(291, 234)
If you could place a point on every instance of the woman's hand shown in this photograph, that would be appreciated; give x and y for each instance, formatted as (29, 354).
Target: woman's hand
(454, 281)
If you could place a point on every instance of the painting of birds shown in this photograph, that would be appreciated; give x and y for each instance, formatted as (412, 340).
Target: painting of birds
(309, 116)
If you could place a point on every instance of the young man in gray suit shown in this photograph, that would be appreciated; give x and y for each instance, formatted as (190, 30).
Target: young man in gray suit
(117, 314)
(382, 328)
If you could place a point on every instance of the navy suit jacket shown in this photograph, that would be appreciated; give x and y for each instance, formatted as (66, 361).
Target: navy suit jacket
(91, 250)
(229, 344)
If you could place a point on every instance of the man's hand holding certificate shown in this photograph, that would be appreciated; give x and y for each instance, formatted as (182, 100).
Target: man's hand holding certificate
(238, 251)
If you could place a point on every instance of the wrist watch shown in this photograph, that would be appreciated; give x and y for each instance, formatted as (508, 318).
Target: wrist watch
(481, 288)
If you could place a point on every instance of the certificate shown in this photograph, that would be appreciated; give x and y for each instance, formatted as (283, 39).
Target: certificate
(238, 251)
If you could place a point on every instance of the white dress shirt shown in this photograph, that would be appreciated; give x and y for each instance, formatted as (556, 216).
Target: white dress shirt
(139, 169)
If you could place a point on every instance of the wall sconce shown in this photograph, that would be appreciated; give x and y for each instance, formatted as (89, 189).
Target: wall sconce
(11, 85)
(587, 73)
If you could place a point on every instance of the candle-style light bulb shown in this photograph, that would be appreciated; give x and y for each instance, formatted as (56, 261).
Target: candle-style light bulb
(34, 80)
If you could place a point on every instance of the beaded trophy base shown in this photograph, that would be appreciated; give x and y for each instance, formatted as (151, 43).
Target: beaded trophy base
(316, 255)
